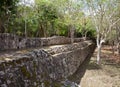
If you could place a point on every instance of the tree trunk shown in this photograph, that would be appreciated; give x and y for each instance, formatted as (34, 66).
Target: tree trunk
(118, 40)
(72, 33)
(85, 35)
(112, 45)
(98, 53)
(99, 44)
(2, 28)
(52, 30)
(45, 29)
(118, 48)
(25, 29)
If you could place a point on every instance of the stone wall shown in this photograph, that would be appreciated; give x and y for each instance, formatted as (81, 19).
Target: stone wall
(41, 67)
(10, 41)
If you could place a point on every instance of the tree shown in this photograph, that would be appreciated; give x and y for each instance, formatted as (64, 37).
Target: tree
(85, 27)
(103, 17)
(47, 16)
(70, 10)
(118, 29)
(7, 9)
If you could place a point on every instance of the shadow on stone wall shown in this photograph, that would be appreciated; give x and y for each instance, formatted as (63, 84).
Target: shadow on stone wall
(77, 76)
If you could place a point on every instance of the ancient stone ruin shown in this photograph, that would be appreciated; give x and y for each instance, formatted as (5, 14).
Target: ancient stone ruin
(11, 41)
(40, 67)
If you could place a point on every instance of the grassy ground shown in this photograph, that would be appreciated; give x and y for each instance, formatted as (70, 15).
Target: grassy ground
(107, 74)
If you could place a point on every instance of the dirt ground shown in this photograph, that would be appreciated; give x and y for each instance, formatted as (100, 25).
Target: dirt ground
(107, 74)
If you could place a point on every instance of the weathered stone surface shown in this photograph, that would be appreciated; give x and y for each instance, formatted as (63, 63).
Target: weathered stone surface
(10, 41)
(41, 67)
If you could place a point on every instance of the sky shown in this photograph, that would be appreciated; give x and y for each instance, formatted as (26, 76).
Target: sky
(27, 2)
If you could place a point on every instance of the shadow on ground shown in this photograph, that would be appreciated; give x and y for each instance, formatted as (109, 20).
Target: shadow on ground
(90, 74)
(88, 64)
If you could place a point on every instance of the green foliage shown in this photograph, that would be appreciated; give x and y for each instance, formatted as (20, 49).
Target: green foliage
(47, 15)
(47, 18)
(85, 28)
(8, 8)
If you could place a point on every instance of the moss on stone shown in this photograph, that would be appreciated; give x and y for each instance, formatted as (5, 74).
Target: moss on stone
(34, 75)
(57, 84)
(47, 84)
(25, 72)
(34, 64)
(2, 67)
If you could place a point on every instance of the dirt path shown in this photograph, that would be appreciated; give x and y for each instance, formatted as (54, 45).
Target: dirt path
(105, 75)
(92, 75)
